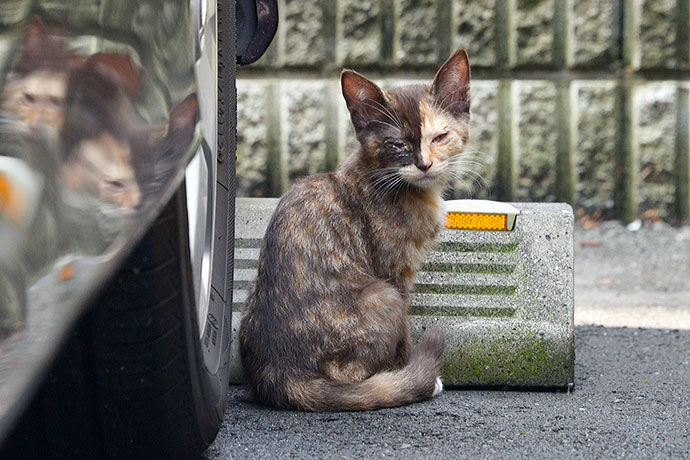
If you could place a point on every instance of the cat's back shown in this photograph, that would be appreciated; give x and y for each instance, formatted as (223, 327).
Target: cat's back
(315, 210)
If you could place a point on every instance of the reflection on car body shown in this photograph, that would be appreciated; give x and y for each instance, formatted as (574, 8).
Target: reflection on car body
(95, 130)
(72, 119)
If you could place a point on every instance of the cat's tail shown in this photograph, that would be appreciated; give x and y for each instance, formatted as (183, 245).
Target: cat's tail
(417, 381)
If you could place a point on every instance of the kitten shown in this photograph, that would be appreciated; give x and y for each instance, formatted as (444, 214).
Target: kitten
(36, 85)
(99, 121)
(326, 326)
(108, 151)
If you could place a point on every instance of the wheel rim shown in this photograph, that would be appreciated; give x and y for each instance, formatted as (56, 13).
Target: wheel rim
(200, 175)
(201, 172)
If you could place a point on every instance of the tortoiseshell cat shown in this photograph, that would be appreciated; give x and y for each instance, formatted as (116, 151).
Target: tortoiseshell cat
(326, 326)
(82, 107)
(35, 89)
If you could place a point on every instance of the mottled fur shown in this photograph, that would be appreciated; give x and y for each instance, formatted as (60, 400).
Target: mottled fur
(83, 108)
(326, 324)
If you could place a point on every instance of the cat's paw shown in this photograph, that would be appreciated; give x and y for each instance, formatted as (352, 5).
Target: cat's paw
(438, 387)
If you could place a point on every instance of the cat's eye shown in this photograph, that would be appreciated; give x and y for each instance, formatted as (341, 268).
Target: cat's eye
(29, 98)
(439, 138)
(397, 145)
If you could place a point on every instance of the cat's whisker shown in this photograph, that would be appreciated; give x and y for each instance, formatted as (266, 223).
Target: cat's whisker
(384, 123)
(452, 94)
(476, 178)
(391, 114)
(393, 120)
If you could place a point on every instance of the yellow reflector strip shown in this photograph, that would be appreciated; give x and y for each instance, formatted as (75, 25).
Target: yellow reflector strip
(476, 221)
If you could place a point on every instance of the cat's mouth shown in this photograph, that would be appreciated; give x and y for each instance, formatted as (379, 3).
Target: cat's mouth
(422, 179)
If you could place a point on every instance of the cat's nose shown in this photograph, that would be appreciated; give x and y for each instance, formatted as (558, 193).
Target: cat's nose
(425, 166)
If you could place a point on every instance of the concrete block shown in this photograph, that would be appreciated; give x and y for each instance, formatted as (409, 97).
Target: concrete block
(14, 11)
(483, 143)
(171, 49)
(537, 140)
(86, 14)
(473, 25)
(346, 131)
(657, 34)
(504, 299)
(304, 44)
(359, 38)
(252, 138)
(656, 135)
(8, 48)
(534, 21)
(595, 32)
(596, 146)
(416, 32)
(304, 128)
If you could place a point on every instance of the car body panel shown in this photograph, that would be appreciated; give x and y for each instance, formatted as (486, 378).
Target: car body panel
(136, 82)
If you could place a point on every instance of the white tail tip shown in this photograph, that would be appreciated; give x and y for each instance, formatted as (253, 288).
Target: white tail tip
(438, 388)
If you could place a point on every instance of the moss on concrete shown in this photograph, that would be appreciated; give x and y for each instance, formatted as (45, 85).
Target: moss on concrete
(484, 312)
(507, 361)
(497, 269)
(463, 289)
(450, 246)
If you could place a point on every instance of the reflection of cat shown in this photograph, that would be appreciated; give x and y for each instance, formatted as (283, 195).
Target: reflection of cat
(83, 108)
(36, 85)
(326, 327)
(107, 150)
(96, 136)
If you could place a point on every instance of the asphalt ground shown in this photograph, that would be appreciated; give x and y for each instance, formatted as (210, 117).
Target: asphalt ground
(632, 393)
(633, 278)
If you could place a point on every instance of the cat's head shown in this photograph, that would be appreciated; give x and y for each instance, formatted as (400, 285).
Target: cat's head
(35, 88)
(415, 131)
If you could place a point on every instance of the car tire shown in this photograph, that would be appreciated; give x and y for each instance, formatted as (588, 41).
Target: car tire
(131, 381)
(156, 396)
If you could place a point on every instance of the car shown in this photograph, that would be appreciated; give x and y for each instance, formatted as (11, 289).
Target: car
(117, 157)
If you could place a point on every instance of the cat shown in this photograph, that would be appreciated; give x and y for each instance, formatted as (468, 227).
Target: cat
(81, 108)
(98, 122)
(36, 85)
(108, 151)
(325, 326)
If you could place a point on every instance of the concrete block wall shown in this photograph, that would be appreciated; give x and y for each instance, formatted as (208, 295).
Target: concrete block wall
(582, 101)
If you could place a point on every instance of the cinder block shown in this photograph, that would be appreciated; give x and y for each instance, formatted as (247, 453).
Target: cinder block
(657, 34)
(304, 127)
(474, 29)
(252, 145)
(14, 11)
(595, 32)
(537, 140)
(171, 48)
(360, 32)
(656, 135)
(8, 47)
(483, 143)
(304, 44)
(85, 14)
(504, 299)
(596, 146)
(117, 14)
(416, 31)
(346, 132)
(534, 21)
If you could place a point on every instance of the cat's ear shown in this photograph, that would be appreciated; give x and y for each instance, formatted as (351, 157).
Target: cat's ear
(363, 97)
(35, 32)
(451, 85)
